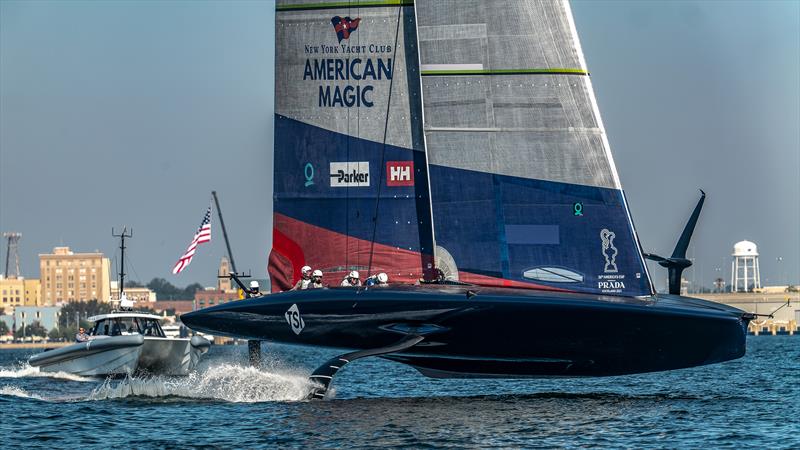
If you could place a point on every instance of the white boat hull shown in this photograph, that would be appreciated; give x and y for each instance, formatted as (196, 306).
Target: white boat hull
(124, 355)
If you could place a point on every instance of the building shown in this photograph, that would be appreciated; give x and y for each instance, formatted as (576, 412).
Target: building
(19, 292)
(223, 279)
(67, 276)
(47, 316)
(786, 317)
(179, 306)
(210, 297)
(138, 294)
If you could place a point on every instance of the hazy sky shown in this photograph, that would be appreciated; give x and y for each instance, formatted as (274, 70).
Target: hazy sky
(130, 113)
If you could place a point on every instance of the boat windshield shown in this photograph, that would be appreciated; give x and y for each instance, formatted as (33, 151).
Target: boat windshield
(118, 326)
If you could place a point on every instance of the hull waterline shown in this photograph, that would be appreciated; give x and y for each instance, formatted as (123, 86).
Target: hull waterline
(480, 332)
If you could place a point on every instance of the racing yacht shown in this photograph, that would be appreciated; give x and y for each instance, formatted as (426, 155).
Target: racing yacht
(457, 146)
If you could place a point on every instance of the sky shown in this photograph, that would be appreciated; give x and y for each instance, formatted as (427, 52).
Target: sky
(131, 113)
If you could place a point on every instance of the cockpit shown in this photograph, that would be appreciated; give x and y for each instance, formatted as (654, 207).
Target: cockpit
(119, 326)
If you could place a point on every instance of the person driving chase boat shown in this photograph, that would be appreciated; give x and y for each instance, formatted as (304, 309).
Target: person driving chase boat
(81, 335)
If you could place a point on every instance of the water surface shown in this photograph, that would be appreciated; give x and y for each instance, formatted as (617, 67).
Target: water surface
(753, 401)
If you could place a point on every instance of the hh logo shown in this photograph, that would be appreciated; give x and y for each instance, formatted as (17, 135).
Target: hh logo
(294, 319)
(400, 173)
(344, 26)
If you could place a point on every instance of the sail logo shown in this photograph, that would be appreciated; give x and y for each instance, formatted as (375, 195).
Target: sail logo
(349, 174)
(294, 319)
(344, 27)
(609, 251)
(400, 173)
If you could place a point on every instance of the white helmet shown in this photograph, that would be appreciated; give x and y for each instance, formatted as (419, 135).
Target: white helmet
(354, 274)
(383, 278)
(305, 270)
(254, 284)
(317, 273)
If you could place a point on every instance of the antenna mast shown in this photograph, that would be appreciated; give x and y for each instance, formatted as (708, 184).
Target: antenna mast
(122, 235)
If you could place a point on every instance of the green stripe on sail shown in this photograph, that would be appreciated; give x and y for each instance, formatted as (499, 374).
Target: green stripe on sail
(345, 4)
(553, 71)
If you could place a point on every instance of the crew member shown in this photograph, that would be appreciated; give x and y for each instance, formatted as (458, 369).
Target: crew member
(81, 335)
(305, 279)
(380, 279)
(352, 279)
(255, 290)
(316, 280)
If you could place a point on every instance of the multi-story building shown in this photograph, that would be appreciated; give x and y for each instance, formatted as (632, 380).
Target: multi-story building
(19, 292)
(68, 276)
(46, 316)
(138, 294)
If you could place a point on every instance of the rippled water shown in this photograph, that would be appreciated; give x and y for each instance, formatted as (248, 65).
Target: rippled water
(748, 402)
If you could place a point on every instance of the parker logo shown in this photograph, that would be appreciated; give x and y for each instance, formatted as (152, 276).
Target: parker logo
(400, 173)
(344, 26)
(350, 174)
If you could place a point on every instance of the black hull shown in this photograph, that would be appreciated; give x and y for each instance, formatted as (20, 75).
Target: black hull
(486, 332)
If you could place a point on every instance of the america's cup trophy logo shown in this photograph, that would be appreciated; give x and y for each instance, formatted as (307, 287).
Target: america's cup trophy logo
(609, 251)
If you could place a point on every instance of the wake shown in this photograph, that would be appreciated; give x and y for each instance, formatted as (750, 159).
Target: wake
(24, 370)
(225, 382)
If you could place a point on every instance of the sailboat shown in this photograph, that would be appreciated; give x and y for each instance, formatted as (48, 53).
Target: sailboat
(457, 146)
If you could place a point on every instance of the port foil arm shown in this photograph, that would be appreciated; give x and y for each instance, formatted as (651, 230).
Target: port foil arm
(323, 376)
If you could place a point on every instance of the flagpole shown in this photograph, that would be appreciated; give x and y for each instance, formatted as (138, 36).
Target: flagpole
(224, 233)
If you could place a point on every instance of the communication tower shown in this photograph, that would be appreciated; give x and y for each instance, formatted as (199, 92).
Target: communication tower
(13, 238)
(744, 268)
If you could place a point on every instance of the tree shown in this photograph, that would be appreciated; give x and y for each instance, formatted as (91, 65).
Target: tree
(33, 329)
(3, 328)
(132, 284)
(2, 311)
(167, 291)
(792, 289)
(189, 291)
(82, 311)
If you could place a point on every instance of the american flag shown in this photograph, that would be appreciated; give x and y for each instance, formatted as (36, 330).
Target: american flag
(203, 235)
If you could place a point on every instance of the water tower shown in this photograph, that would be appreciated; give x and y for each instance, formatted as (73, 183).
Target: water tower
(744, 268)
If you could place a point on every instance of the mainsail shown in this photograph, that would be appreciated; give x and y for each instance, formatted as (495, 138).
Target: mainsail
(471, 121)
(524, 188)
(350, 189)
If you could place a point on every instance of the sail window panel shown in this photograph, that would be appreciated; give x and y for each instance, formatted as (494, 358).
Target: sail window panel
(446, 12)
(471, 151)
(562, 156)
(455, 102)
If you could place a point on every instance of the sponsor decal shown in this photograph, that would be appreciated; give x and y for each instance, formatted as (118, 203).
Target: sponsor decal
(400, 173)
(610, 282)
(294, 319)
(362, 65)
(308, 171)
(577, 209)
(344, 27)
(350, 174)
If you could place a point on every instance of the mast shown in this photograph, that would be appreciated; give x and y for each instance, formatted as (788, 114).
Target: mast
(122, 235)
(224, 232)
